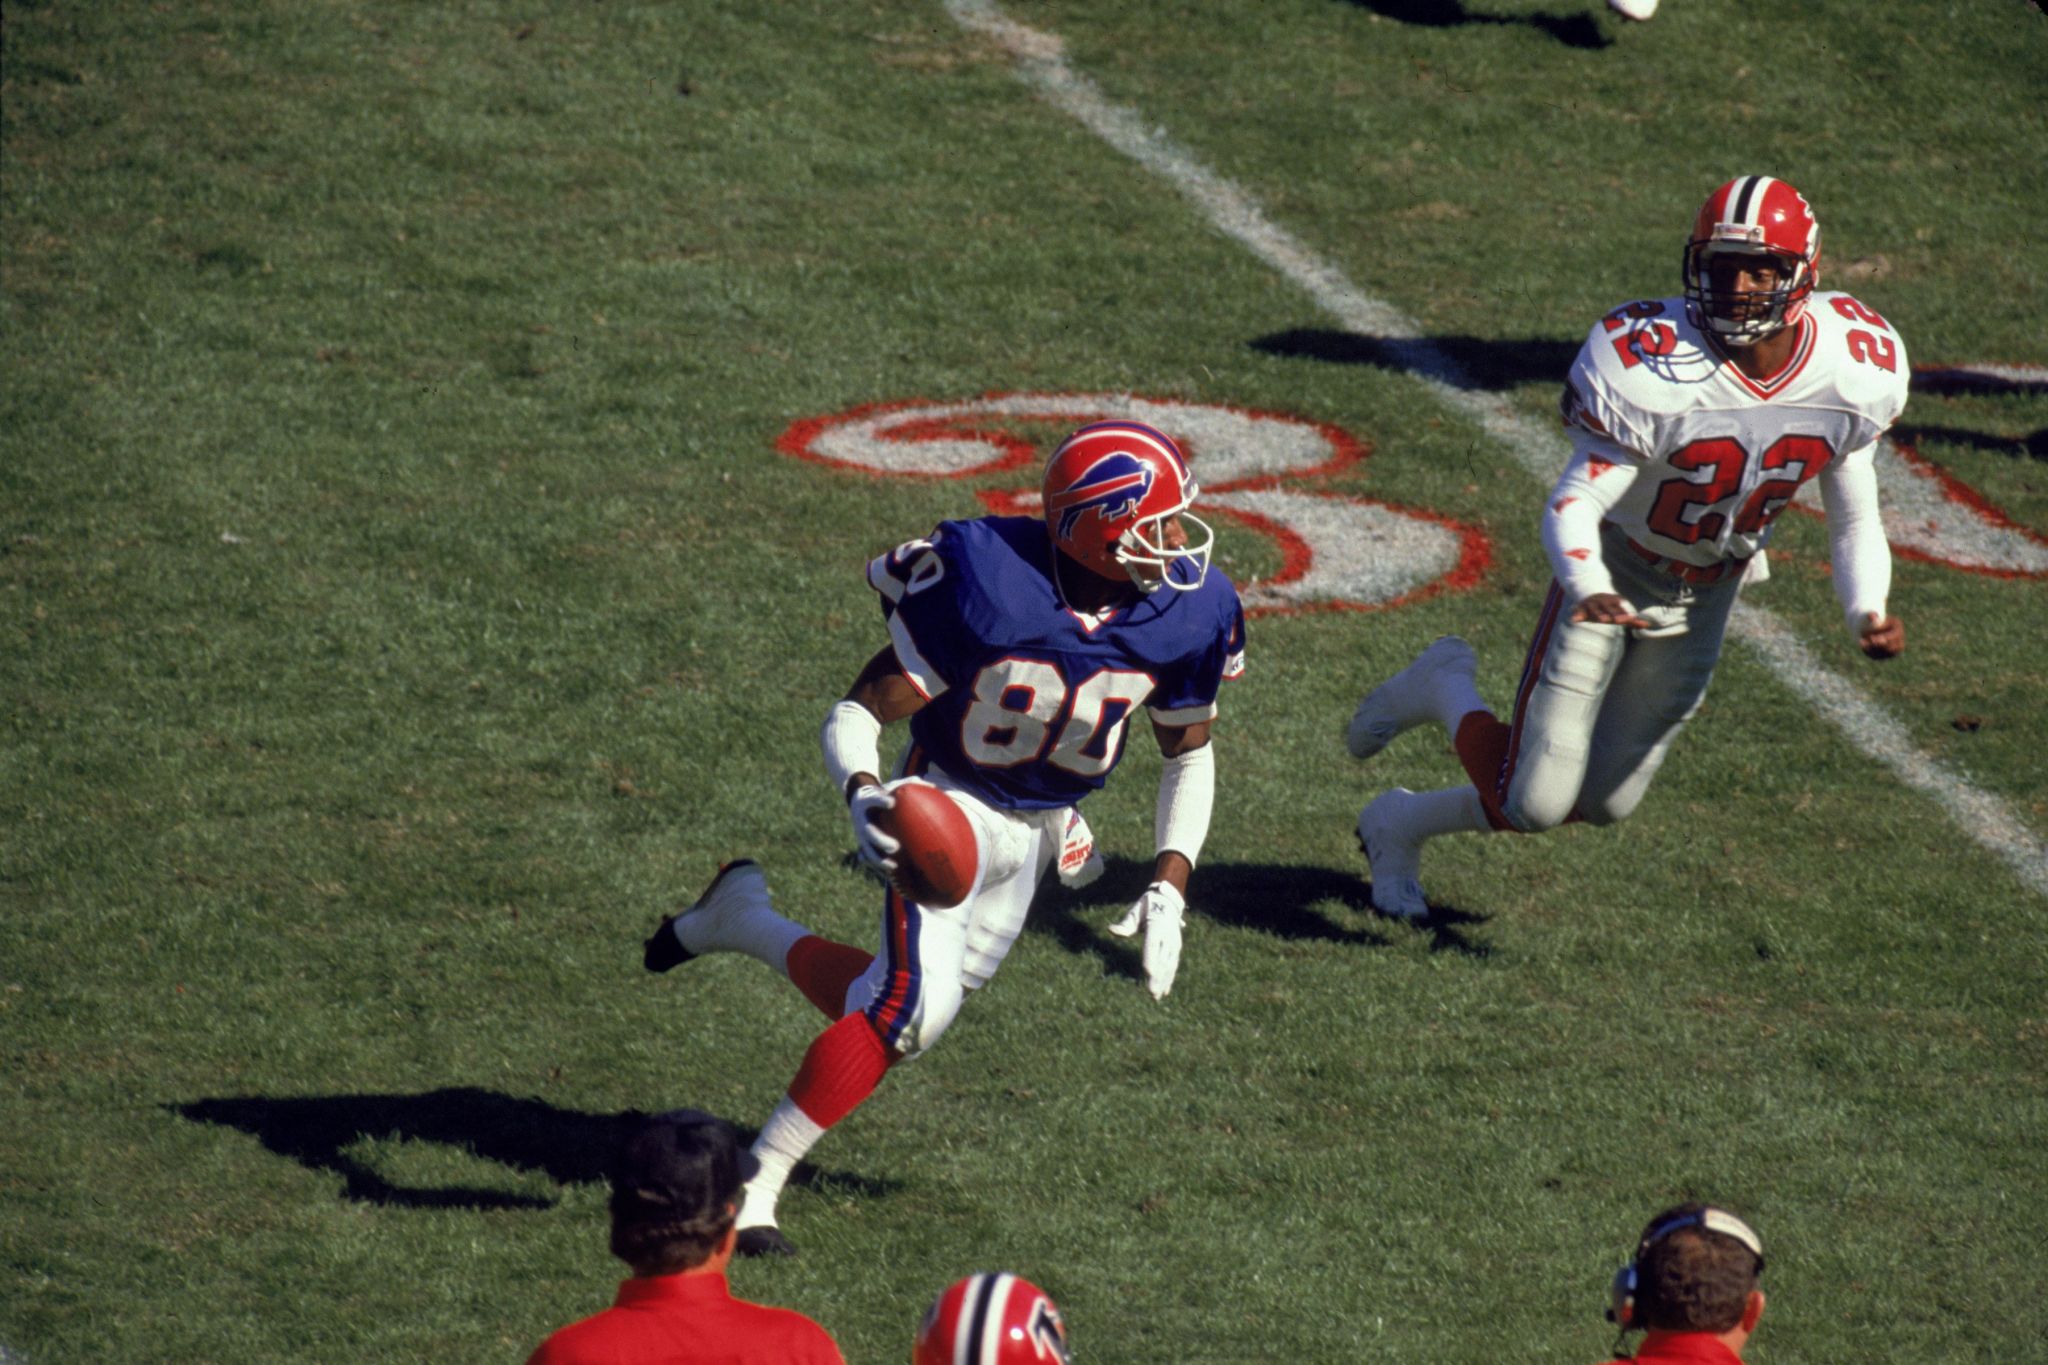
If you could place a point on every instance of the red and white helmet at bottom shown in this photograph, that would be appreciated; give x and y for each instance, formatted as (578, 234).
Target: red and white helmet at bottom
(992, 1319)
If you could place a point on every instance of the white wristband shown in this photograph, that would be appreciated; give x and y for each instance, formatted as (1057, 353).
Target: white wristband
(852, 740)
(1187, 792)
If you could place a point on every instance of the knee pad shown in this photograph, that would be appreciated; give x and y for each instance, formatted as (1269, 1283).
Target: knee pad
(1545, 787)
(938, 1005)
(1535, 816)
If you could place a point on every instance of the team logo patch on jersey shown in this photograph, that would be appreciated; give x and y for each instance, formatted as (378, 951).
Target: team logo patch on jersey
(1113, 487)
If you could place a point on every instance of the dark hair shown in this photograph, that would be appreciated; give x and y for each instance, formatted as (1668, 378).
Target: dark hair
(675, 1178)
(1693, 1279)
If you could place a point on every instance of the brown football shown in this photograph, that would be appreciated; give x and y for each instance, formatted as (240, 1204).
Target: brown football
(937, 863)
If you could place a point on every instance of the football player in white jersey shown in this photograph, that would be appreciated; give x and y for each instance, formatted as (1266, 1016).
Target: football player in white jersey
(1694, 421)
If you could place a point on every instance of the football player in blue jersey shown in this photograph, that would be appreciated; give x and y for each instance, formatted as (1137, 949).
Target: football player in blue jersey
(1018, 649)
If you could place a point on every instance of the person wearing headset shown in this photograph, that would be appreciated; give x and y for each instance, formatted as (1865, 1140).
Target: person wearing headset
(1691, 1288)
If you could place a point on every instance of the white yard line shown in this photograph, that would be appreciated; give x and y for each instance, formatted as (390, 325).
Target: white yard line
(1537, 446)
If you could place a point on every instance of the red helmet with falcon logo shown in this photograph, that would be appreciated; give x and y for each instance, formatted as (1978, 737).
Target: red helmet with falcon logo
(1110, 492)
(1751, 217)
(992, 1319)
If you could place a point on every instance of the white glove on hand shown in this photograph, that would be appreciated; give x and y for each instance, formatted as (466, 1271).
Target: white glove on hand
(1161, 910)
(876, 849)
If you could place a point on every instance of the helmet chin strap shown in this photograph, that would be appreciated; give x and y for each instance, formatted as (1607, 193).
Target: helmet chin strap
(1144, 583)
(1062, 564)
(1744, 334)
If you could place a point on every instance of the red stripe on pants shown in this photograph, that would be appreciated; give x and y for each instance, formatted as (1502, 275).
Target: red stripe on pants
(897, 1002)
(1487, 747)
(1482, 743)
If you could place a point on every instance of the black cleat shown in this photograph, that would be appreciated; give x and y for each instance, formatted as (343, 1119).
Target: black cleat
(665, 950)
(766, 1240)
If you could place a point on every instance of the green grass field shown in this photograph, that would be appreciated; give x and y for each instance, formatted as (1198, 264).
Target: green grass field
(404, 602)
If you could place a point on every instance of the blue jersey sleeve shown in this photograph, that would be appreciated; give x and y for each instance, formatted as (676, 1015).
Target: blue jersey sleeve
(935, 613)
(1188, 692)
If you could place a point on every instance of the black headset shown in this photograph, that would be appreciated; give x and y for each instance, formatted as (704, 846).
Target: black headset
(1622, 1310)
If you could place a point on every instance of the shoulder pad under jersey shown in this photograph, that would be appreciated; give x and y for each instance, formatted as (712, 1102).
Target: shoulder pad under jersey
(1864, 359)
(1642, 361)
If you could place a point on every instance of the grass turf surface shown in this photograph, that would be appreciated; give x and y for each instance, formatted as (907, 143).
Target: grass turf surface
(406, 605)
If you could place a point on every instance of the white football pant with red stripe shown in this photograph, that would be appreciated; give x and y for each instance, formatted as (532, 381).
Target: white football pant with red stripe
(930, 958)
(909, 993)
(1599, 705)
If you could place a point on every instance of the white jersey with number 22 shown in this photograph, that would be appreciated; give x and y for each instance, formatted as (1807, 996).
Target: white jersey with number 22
(1717, 454)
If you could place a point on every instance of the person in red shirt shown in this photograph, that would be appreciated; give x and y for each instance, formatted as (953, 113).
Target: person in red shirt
(675, 1197)
(1691, 1288)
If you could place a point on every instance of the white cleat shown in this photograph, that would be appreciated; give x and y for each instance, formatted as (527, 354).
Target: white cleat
(1395, 854)
(712, 924)
(1407, 699)
(1633, 9)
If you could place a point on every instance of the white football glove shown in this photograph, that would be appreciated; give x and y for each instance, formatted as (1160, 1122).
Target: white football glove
(876, 849)
(1079, 863)
(1161, 910)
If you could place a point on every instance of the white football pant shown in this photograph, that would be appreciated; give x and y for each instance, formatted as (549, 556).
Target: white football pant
(1599, 705)
(930, 958)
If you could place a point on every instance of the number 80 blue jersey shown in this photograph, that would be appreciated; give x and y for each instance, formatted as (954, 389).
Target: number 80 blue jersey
(1027, 699)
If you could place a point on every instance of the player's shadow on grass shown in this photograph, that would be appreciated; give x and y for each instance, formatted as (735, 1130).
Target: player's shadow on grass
(1482, 364)
(1573, 30)
(568, 1146)
(1952, 380)
(2033, 446)
(1272, 898)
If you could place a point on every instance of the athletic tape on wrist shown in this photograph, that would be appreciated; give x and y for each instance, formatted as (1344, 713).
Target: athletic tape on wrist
(852, 740)
(1187, 793)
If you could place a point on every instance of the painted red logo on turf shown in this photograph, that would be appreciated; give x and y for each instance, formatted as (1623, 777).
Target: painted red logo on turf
(1261, 470)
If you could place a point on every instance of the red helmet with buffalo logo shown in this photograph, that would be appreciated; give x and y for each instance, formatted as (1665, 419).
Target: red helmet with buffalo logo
(1111, 490)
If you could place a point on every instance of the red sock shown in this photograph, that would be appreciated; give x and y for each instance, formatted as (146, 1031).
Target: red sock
(844, 1065)
(1482, 744)
(823, 970)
